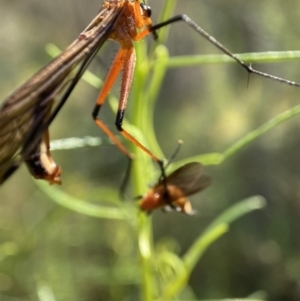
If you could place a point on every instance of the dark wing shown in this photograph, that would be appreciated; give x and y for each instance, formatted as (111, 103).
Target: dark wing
(26, 114)
(189, 178)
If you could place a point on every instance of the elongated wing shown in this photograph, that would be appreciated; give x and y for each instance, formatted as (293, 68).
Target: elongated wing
(24, 115)
(188, 178)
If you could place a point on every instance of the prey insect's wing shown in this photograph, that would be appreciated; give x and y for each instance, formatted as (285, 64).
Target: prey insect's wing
(26, 114)
(188, 178)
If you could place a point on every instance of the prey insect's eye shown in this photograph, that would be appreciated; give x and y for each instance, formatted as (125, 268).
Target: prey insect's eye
(146, 9)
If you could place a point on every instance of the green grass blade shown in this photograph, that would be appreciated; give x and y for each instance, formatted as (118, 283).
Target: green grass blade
(65, 200)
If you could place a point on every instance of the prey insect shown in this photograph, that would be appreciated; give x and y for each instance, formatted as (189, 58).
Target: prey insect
(27, 113)
(171, 192)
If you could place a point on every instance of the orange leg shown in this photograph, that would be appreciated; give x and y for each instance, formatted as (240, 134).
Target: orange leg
(142, 21)
(143, 34)
(109, 82)
(125, 59)
(138, 16)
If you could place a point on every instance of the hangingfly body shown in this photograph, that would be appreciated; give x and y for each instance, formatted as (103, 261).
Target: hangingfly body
(171, 192)
(28, 112)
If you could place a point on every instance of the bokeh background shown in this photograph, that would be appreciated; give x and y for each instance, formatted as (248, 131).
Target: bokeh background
(44, 246)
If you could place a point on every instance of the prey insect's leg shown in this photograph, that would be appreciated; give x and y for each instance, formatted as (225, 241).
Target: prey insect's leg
(212, 40)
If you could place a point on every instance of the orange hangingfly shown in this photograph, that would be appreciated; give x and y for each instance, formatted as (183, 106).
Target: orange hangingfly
(28, 112)
(171, 192)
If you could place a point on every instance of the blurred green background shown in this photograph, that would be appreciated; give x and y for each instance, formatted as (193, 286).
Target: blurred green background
(46, 249)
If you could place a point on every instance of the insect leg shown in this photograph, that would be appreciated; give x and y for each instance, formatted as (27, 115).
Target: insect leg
(110, 80)
(129, 65)
(125, 59)
(212, 40)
